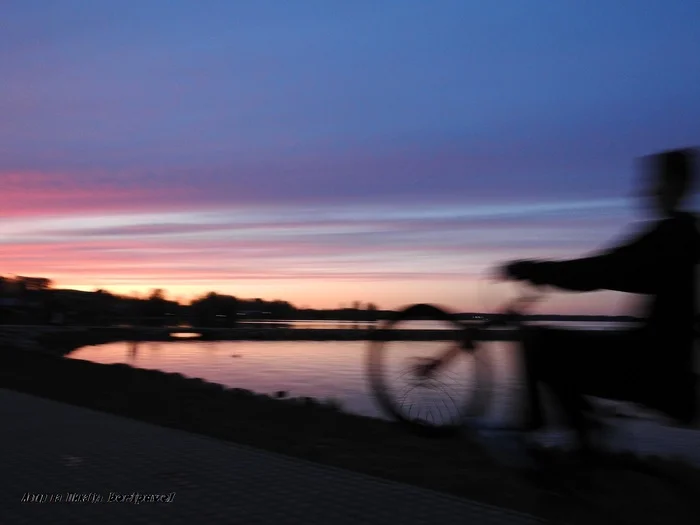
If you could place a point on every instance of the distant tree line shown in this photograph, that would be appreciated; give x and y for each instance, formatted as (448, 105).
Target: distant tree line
(34, 300)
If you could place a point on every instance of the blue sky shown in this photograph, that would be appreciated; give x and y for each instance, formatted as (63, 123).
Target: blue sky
(325, 152)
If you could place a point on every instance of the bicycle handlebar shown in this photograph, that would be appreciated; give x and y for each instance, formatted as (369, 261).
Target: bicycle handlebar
(515, 307)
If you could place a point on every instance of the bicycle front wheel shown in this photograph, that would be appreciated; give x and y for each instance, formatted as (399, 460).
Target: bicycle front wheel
(438, 403)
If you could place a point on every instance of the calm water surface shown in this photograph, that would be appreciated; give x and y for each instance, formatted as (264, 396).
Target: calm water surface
(319, 369)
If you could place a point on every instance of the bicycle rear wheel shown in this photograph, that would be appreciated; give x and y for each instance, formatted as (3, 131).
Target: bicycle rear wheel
(436, 405)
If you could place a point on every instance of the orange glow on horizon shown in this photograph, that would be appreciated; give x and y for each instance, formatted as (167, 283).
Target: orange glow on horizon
(464, 295)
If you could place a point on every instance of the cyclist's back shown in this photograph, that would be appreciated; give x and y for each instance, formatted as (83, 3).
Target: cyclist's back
(669, 330)
(653, 364)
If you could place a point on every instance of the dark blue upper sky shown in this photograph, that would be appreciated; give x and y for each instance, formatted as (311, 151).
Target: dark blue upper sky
(360, 108)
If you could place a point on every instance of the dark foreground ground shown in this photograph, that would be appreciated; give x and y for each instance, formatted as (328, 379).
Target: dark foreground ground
(69, 465)
(310, 430)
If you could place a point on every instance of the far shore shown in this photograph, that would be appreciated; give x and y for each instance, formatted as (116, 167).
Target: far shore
(62, 340)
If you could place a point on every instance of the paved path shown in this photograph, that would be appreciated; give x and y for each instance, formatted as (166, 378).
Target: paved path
(48, 447)
(640, 433)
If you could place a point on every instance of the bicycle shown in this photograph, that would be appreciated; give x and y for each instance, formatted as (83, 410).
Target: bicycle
(466, 341)
(423, 371)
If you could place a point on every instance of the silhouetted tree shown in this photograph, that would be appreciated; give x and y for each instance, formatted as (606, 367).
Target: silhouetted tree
(34, 284)
(214, 310)
(372, 312)
(157, 294)
(280, 309)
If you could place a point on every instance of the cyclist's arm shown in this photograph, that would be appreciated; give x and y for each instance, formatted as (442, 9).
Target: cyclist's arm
(627, 268)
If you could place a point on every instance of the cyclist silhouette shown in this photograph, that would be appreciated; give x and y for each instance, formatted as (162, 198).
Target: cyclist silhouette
(651, 365)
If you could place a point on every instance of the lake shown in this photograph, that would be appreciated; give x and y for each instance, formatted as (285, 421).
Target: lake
(319, 369)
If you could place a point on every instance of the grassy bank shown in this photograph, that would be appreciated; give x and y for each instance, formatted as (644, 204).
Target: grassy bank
(308, 429)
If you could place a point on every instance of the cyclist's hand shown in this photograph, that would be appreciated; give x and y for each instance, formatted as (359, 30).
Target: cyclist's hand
(518, 270)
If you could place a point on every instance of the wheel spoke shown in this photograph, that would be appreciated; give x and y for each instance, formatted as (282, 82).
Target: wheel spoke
(438, 399)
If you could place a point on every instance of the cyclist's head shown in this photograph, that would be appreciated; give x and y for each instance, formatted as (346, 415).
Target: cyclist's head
(672, 175)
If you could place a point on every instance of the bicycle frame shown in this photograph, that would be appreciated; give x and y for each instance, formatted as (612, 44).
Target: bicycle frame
(512, 314)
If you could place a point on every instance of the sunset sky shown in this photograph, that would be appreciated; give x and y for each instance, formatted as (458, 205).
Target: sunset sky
(328, 151)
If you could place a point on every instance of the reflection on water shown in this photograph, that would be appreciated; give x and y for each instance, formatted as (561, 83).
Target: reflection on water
(317, 369)
(436, 325)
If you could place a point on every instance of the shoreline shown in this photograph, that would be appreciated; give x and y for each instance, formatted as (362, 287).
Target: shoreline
(63, 340)
(303, 427)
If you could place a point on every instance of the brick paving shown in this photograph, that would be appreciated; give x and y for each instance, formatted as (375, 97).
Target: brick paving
(54, 448)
